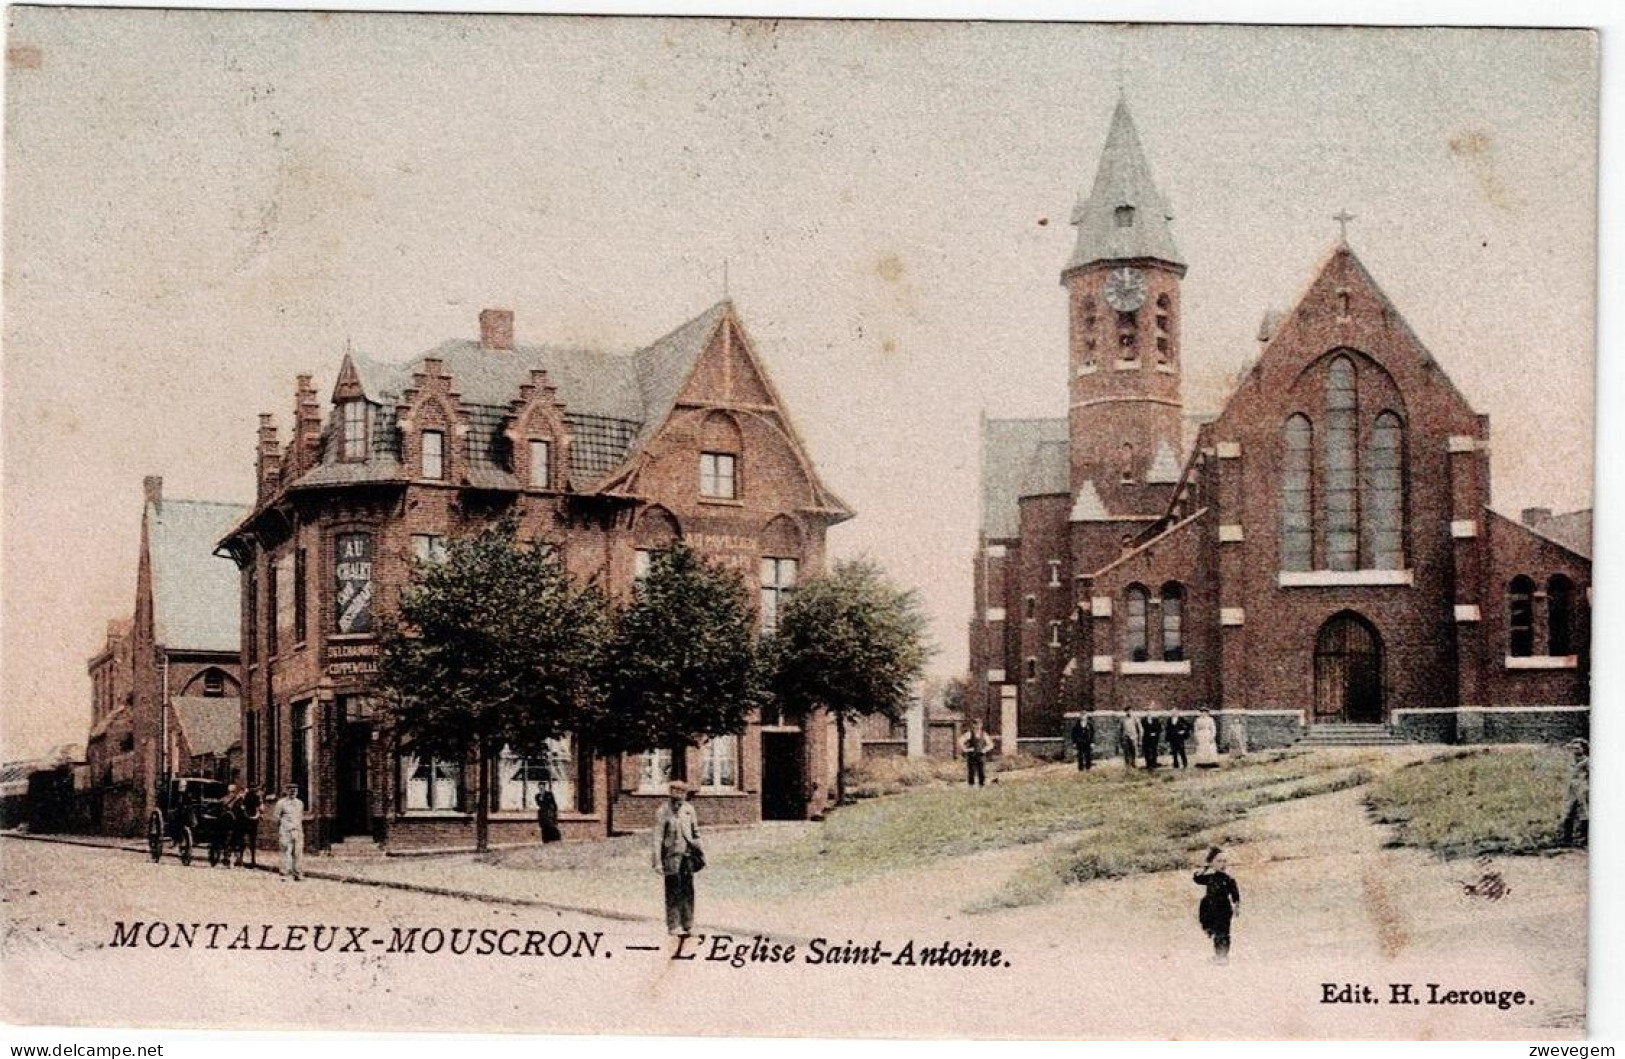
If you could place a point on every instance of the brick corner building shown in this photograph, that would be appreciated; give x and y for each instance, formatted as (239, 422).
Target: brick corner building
(164, 686)
(607, 456)
(1321, 554)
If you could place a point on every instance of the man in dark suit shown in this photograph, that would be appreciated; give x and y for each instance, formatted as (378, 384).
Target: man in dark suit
(1150, 736)
(1178, 730)
(1083, 738)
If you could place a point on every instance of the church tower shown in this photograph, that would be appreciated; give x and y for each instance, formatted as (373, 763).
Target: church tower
(1122, 284)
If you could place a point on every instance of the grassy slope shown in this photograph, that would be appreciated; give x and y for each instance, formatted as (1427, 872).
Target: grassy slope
(1104, 823)
(1489, 801)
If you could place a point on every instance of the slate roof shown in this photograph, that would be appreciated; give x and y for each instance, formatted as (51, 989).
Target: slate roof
(211, 724)
(613, 401)
(1123, 179)
(1008, 448)
(1572, 530)
(194, 592)
(1049, 470)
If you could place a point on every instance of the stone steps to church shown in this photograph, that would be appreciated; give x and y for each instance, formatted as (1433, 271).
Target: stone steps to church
(1341, 735)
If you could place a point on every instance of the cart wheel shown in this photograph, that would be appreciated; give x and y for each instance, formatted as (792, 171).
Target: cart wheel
(183, 845)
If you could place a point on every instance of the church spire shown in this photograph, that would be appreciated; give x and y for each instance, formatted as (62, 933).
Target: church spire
(1124, 217)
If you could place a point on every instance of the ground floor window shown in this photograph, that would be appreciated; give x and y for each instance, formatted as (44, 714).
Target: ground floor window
(654, 770)
(719, 763)
(430, 783)
(520, 780)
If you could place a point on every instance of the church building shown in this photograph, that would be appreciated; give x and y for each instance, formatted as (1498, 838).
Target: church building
(1320, 555)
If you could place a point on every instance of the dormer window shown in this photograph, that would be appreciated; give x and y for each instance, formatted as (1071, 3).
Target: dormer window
(1125, 216)
(541, 463)
(434, 454)
(353, 416)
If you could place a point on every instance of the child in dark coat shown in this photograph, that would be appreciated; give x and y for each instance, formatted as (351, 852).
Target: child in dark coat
(1220, 904)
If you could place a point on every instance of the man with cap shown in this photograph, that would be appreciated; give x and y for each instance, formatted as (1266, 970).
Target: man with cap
(676, 848)
(289, 814)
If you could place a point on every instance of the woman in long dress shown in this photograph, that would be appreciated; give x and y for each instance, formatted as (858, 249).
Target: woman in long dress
(1206, 734)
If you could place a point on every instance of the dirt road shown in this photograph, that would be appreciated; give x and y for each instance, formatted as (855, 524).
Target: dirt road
(1324, 904)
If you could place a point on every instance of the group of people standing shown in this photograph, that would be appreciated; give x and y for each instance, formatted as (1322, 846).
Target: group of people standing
(1142, 739)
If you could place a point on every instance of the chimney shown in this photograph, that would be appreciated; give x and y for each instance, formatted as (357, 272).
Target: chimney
(1534, 516)
(267, 456)
(496, 328)
(153, 487)
(306, 442)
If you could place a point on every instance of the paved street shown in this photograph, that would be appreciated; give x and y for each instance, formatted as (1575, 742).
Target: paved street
(1325, 902)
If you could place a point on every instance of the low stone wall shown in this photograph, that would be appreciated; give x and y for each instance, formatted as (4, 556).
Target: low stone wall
(1502, 724)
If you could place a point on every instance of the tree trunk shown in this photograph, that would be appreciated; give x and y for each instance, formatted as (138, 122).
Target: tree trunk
(612, 776)
(482, 807)
(840, 758)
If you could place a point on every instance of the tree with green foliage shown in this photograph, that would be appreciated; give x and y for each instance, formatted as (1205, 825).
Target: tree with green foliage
(493, 646)
(852, 643)
(681, 664)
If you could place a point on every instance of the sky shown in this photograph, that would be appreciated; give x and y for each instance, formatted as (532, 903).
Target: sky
(200, 205)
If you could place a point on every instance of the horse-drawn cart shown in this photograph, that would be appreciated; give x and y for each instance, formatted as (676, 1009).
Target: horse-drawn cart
(191, 811)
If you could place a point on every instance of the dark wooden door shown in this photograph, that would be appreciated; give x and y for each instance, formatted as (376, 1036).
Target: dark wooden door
(783, 796)
(1348, 671)
(355, 779)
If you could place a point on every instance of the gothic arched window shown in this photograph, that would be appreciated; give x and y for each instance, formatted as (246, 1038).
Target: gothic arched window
(1382, 500)
(1340, 494)
(1135, 642)
(1521, 617)
(1297, 492)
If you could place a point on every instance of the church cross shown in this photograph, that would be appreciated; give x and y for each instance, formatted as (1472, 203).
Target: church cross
(1343, 217)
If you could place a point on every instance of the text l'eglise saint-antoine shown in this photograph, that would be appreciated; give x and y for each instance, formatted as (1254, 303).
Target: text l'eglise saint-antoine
(1421, 993)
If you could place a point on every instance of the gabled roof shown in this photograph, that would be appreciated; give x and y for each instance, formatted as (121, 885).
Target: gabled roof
(665, 365)
(194, 592)
(1008, 448)
(1123, 179)
(211, 724)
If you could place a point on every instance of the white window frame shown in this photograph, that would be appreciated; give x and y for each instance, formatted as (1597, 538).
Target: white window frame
(654, 771)
(434, 790)
(434, 454)
(643, 560)
(719, 763)
(719, 476)
(557, 767)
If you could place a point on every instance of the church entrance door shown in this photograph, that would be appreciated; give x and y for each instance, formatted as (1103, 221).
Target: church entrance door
(1348, 671)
